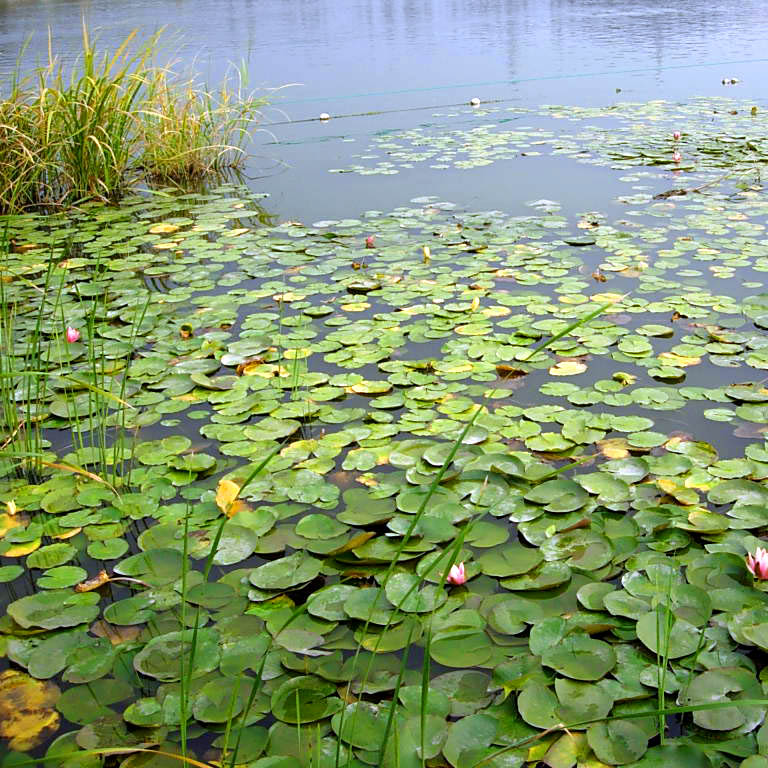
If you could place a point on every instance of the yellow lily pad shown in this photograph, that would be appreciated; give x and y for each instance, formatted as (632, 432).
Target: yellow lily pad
(606, 298)
(265, 370)
(567, 368)
(495, 311)
(614, 447)
(22, 549)
(9, 521)
(27, 714)
(68, 534)
(370, 387)
(680, 361)
(297, 354)
(473, 329)
(289, 296)
(163, 229)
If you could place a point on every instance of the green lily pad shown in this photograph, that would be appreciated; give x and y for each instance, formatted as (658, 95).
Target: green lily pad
(580, 702)
(722, 685)
(316, 526)
(161, 658)
(538, 705)
(361, 724)
(54, 608)
(467, 735)
(51, 556)
(510, 560)
(617, 742)
(287, 572)
(10, 573)
(62, 577)
(545, 576)
(663, 633)
(304, 699)
(580, 657)
(559, 495)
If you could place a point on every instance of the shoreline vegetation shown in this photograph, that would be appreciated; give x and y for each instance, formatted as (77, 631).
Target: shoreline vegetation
(114, 120)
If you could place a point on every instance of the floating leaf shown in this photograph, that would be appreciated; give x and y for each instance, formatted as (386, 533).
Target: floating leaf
(27, 714)
(580, 657)
(54, 608)
(617, 742)
(161, 658)
(304, 699)
(664, 633)
(286, 572)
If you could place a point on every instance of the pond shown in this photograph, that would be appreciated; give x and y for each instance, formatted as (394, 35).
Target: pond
(357, 57)
(441, 440)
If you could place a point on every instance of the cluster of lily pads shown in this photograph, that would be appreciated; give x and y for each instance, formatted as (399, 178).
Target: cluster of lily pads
(308, 425)
(703, 133)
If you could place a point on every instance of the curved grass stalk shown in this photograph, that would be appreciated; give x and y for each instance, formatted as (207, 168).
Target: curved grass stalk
(663, 712)
(580, 321)
(64, 467)
(451, 553)
(420, 512)
(108, 751)
(183, 679)
(662, 653)
(118, 444)
(401, 547)
(206, 573)
(560, 727)
(72, 379)
(259, 680)
(393, 707)
(572, 465)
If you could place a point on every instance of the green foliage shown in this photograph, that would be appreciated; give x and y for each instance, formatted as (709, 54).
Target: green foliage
(303, 476)
(114, 119)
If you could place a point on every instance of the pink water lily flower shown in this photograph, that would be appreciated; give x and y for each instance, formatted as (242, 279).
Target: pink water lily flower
(457, 575)
(676, 135)
(758, 564)
(72, 334)
(677, 157)
(369, 241)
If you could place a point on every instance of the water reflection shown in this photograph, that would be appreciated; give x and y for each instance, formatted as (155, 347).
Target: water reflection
(340, 49)
(357, 56)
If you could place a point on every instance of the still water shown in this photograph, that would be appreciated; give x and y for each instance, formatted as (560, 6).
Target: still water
(359, 56)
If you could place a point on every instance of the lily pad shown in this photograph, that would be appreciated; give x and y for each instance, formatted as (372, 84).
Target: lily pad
(287, 572)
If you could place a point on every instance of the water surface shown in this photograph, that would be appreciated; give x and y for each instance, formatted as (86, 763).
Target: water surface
(357, 56)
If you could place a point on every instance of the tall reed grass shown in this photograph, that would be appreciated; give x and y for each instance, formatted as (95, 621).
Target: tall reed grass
(34, 368)
(112, 120)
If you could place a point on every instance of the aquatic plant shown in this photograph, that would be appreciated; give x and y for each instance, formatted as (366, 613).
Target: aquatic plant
(328, 443)
(758, 563)
(457, 575)
(188, 131)
(112, 120)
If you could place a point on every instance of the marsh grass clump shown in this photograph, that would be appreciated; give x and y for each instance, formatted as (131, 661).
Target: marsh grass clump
(112, 120)
(189, 132)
